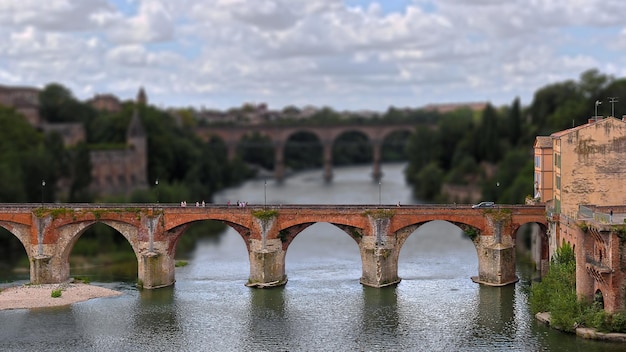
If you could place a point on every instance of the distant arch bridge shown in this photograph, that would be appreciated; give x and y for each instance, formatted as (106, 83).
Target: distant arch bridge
(327, 135)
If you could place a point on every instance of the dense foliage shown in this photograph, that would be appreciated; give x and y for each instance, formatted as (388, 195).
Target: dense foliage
(492, 150)
(556, 293)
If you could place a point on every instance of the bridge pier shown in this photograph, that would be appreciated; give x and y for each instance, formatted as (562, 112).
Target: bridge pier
(155, 270)
(379, 255)
(41, 271)
(496, 265)
(496, 251)
(267, 263)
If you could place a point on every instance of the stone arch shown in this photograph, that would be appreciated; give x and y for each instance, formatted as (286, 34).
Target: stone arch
(70, 233)
(288, 234)
(598, 298)
(367, 153)
(176, 233)
(265, 145)
(314, 148)
(404, 233)
(541, 253)
(22, 233)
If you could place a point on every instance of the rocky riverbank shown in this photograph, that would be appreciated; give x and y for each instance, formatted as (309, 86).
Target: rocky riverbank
(38, 296)
(587, 333)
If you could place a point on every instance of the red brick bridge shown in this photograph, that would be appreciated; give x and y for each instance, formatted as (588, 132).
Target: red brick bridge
(327, 135)
(49, 233)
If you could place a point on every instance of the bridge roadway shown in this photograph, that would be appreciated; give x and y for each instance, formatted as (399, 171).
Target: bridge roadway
(49, 232)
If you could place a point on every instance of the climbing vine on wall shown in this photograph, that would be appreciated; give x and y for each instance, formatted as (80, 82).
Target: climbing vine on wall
(265, 214)
(380, 213)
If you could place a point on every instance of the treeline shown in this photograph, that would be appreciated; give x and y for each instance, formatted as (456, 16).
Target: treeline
(493, 151)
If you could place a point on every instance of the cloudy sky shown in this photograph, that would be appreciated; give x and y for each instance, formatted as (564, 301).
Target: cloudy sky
(346, 54)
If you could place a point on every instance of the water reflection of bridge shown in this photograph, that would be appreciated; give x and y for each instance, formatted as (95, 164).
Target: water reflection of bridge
(49, 233)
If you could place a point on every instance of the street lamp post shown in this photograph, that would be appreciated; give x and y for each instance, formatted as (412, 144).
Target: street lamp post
(265, 194)
(156, 185)
(379, 192)
(598, 102)
(43, 184)
(613, 100)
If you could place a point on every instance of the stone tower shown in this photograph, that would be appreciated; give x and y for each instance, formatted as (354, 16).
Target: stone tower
(142, 99)
(138, 146)
(122, 171)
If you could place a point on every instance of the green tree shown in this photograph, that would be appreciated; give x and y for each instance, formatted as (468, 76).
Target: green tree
(22, 153)
(489, 140)
(423, 148)
(515, 122)
(81, 175)
(428, 182)
(556, 293)
(52, 98)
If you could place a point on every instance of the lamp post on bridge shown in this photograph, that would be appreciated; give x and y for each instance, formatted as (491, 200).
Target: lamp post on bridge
(43, 184)
(156, 185)
(380, 183)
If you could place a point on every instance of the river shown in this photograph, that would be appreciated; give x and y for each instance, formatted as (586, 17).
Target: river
(436, 306)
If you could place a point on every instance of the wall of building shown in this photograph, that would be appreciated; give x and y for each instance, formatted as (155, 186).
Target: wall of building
(592, 168)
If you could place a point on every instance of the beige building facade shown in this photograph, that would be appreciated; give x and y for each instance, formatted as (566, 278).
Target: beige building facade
(586, 178)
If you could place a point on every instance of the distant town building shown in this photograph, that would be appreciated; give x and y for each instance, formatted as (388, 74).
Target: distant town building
(105, 102)
(71, 132)
(581, 174)
(24, 100)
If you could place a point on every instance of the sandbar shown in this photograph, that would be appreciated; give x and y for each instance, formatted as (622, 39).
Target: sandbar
(39, 296)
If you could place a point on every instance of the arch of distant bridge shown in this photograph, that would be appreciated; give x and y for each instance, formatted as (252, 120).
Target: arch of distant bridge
(327, 135)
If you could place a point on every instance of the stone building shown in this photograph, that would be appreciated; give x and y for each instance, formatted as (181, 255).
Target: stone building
(23, 99)
(114, 171)
(105, 102)
(120, 171)
(583, 170)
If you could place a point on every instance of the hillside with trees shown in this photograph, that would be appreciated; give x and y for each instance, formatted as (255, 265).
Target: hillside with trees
(491, 153)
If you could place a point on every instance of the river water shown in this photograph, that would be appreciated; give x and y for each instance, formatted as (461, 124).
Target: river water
(436, 307)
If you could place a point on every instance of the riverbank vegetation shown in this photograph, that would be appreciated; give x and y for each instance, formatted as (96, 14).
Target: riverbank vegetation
(556, 293)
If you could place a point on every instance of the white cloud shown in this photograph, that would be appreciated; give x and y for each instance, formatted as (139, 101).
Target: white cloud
(321, 52)
(153, 23)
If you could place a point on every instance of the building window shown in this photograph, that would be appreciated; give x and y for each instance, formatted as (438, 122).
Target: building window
(558, 182)
(537, 161)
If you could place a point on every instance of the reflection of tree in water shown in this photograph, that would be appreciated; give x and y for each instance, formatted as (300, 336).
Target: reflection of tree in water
(13, 258)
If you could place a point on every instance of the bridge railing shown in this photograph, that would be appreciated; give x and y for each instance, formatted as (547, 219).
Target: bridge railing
(133, 206)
